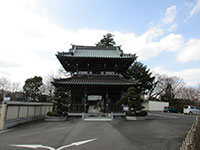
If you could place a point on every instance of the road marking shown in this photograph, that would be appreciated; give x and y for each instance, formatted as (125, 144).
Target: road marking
(51, 148)
(35, 146)
(166, 116)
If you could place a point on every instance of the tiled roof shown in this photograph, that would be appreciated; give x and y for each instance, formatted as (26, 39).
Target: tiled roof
(97, 52)
(94, 80)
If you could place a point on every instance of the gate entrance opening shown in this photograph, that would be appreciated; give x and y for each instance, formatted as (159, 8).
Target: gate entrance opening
(95, 104)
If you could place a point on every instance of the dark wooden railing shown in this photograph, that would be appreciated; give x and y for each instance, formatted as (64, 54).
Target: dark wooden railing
(115, 108)
(77, 108)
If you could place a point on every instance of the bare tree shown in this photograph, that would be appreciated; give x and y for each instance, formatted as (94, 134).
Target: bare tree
(15, 87)
(198, 90)
(189, 93)
(4, 84)
(172, 85)
(48, 86)
(62, 73)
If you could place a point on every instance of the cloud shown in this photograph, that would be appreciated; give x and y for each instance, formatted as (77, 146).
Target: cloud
(143, 45)
(6, 64)
(195, 9)
(3, 73)
(22, 32)
(172, 27)
(29, 40)
(170, 15)
(190, 76)
(190, 51)
(172, 42)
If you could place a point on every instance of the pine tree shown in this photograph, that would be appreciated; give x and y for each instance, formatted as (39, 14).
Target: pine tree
(139, 72)
(106, 41)
(61, 101)
(32, 87)
(132, 99)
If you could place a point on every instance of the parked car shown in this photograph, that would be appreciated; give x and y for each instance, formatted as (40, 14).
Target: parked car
(170, 109)
(191, 110)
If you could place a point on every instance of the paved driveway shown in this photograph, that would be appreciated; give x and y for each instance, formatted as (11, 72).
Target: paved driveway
(159, 132)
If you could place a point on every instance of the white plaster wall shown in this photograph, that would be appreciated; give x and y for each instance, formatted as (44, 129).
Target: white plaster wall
(12, 112)
(15, 112)
(154, 105)
(38, 111)
(49, 108)
(23, 111)
(146, 105)
(43, 110)
(31, 111)
(157, 106)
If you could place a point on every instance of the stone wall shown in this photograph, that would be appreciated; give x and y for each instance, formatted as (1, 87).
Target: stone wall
(192, 140)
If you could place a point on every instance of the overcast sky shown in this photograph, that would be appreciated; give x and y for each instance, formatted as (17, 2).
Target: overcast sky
(165, 35)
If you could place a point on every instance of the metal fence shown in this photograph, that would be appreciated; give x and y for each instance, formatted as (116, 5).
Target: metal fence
(192, 140)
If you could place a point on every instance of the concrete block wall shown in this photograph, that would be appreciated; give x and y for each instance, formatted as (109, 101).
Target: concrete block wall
(14, 113)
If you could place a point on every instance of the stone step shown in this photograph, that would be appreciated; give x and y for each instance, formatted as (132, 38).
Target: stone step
(97, 117)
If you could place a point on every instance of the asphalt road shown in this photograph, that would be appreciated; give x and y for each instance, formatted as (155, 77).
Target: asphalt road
(159, 132)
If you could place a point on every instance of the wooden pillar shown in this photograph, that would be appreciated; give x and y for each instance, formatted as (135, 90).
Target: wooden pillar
(88, 67)
(85, 101)
(104, 68)
(116, 67)
(122, 93)
(77, 69)
(107, 102)
(70, 102)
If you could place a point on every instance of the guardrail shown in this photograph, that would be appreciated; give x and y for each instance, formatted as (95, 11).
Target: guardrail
(192, 140)
(14, 113)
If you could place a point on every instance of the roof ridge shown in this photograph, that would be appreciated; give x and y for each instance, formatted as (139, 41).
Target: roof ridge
(97, 47)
